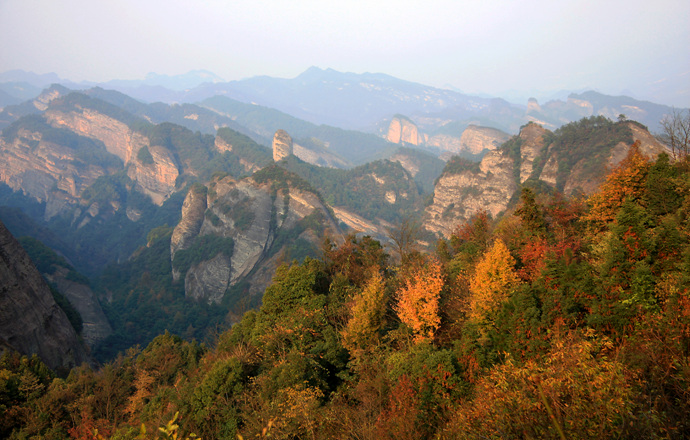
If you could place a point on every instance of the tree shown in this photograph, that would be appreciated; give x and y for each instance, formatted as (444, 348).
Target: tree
(531, 213)
(493, 280)
(418, 300)
(368, 313)
(405, 236)
(676, 133)
(626, 181)
(572, 391)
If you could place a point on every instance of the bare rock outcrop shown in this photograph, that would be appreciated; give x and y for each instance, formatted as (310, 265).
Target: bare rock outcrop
(403, 131)
(474, 139)
(193, 209)
(117, 137)
(282, 145)
(41, 169)
(459, 196)
(30, 320)
(462, 191)
(208, 280)
(155, 177)
(533, 106)
(96, 326)
(532, 146)
(252, 215)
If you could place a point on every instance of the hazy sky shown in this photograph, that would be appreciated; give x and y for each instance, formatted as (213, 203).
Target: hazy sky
(637, 47)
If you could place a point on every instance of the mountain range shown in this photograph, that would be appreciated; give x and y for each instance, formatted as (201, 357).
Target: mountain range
(350, 100)
(179, 213)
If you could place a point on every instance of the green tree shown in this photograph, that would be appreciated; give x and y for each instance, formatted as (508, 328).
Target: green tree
(368, 313)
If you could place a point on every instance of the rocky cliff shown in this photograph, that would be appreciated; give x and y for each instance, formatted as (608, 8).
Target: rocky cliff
(30, 320)
(474, 140)
(154, 170)
(403, 131)
(572, 160)
(531, 140)
(188, 228)
(34, 160)
(96, 326)
(460, 194)
(56, 156)
(252, 223)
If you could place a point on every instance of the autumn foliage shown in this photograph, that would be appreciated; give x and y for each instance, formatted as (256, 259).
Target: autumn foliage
(493, 280)
(564, 318)
(418, 300)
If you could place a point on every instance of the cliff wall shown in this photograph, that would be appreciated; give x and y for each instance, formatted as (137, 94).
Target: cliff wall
(30, 320)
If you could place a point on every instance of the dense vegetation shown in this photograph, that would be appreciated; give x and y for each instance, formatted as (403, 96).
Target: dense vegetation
(363, 189)
(565, 319)
(144, 300)
(589, 139)
(430, 167)
(458, 164)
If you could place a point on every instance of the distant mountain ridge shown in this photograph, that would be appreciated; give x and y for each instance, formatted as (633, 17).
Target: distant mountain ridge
(361, 101)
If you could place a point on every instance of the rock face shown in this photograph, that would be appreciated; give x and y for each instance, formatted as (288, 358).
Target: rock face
(188, 228)
(117, 137)
(403, 131)
(30, 320)
(533, 106)
(253, 216)
(41, 168)
(282, 145)
(156, 178)
(474, 140)
(459, 195)
(96, 326)
(532, 145)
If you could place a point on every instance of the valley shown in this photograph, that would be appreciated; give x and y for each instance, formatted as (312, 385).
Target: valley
(251, 242)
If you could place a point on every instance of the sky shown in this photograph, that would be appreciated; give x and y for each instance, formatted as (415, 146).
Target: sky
(498, 47)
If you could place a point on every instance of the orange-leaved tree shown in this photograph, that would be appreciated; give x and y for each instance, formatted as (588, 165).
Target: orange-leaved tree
(626, 181)
(494, 278)
(418, 300)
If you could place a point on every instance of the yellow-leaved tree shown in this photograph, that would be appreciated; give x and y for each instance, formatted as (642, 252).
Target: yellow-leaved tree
(368, 312)
(494, 278)
(418, 300)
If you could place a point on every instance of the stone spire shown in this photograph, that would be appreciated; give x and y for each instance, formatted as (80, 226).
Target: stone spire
(282, 145)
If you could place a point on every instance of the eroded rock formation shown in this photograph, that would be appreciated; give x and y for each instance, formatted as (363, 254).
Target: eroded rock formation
(282, 145)
(30, 320)
(252, 215)
(459, 195)
(403, 131)
(474, 140)
(95, 324)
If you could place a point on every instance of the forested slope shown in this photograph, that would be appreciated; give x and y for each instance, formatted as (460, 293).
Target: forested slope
(567, 318)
